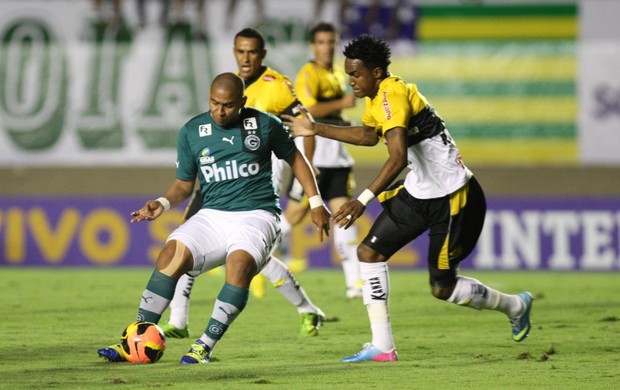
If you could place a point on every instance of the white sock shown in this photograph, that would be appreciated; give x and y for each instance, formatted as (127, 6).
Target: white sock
(179, 306)
(281, 277)
(376, 293)
(346, 246)
(471, 293)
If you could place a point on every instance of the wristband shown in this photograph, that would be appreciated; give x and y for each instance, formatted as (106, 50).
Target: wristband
(366, 197)
(315, 201)
(164, 202)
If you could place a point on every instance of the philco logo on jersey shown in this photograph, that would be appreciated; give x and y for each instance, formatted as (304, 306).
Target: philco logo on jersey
(268, 78)
(205, 157)
(204, 130)
(229, 171)
(386, 106)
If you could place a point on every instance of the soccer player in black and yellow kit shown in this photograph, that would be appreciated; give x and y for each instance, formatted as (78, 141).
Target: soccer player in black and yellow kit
(272, 92)
(439, 195)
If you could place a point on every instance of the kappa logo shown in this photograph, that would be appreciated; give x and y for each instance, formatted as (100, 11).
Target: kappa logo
(376, 290)
(250, 124)
(204, 130)
(230, 140)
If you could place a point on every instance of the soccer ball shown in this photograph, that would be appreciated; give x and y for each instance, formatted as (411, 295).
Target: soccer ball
(143, 342)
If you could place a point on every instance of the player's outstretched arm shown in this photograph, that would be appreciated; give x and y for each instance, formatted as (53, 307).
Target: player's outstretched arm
(178, 193)
(356, 135)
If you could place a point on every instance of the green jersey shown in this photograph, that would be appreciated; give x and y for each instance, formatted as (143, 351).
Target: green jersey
(233, 163)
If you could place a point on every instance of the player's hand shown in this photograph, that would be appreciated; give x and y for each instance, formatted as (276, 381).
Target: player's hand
(320, 218)
(348, 213)
(302, 126)
(150, 211)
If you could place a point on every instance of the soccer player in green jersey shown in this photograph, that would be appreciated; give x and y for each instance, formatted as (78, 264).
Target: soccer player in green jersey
(229, 150)
(272, 92)
(439, 195)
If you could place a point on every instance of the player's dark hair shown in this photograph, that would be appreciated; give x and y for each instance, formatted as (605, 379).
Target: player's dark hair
(250, 32)
(371, 51)
(321, 27)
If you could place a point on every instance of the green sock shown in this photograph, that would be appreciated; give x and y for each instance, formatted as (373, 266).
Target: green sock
(229, 304)
(156, 297)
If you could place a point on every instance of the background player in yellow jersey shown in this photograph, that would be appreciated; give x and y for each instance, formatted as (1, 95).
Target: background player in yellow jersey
(321, 87)
(272, 92)
(439, 195)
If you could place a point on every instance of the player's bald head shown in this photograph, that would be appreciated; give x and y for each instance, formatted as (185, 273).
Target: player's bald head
(230, 83)
(226, 100)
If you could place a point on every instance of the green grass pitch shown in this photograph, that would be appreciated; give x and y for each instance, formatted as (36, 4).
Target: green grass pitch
(54, 321)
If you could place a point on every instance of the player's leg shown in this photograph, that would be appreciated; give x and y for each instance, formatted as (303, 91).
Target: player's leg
(282, 279)
(382, 241)
(178, 323)
(177, 326)
(249, 242)
(230, 302)
(198, 246)
(346, 242)
(174, 260)
(296, 209)
(336, 186)
(466, 221)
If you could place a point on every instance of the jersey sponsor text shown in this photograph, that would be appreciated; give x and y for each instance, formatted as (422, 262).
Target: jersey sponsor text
(229, 171)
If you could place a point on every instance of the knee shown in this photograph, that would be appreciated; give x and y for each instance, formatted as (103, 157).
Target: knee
(165, 256)
(366, 254)
(243, 269)
(240, 268)
(442, 283)
(442, 292)
(174, 260)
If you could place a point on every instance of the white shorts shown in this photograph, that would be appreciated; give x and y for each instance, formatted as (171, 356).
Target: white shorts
(211, 234)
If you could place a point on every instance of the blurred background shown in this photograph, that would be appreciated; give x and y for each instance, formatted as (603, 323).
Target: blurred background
(93, 92)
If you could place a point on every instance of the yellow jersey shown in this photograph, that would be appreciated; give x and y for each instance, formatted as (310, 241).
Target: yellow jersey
(272, 92)
(435, 163)
(315, 84)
